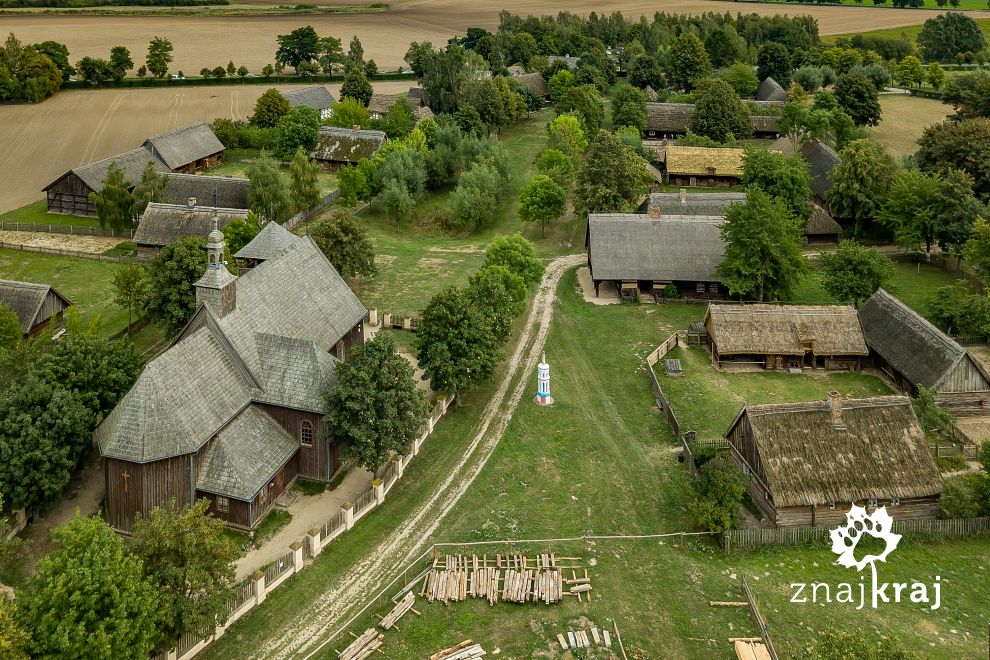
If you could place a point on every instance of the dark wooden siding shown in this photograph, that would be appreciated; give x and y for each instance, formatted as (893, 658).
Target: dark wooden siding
(920, 508)
(145, 486)
(314, 462)
(964, 377)
(69, 194)
(237, 514)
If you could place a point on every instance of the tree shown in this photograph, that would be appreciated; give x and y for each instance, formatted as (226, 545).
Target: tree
(516, 254)
(10, 328)
(443, 78)
(238, 232)
(114, 202)
(353, 184)
(949, 34)
(298, 129)
(400, 120)
(909, 71)
(14, 636)
(488, 293)
(120, 62)
(718, 493)
(718, 112)
(774, 61)
(741, 78)
(417, 55)
(645, 71)
(129, 284)
(612, 179)
(89, 598)
(375, 407)
(909, 211)
(964, 145)
(268, 195)
(231, 70)
(469, 121)
(542, 200)
(269, 109)
(456, 345)
(476, 197)
(345, 243)
(858, 97)
(300, 45)
(687, 62)
(58, 53)
(557, 165)
(356, 86)
(396, 201)
(628, 107)
(355, 52)
(780, 176)
(584, 101)
(151, 187)
(171, 296)
(724, 46)
(931, 416)
(977, 250)
(860, 181)
(763, 249)
(935, 75)
(188, 557)
(349, 112)
(565, 134)
(242, 71)
(94, 70)
(852, 273)
(957, 310)
(304, 184)
(219, 72)
(159, 56)
(810, 78)
(559, 84)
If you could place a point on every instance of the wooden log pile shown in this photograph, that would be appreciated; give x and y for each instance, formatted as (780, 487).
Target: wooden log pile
(512, 578)
(578, 639)
(362, 646)
(463, 651)
(400, 609)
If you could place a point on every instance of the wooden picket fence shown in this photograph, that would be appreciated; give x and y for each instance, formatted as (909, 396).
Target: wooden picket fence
(662, 402)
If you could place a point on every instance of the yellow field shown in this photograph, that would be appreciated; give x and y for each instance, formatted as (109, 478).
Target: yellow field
(41, 142)
(904, 118)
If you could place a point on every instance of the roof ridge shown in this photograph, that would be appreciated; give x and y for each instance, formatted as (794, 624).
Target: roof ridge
(176, 130)
(946, 340)
(151, 156)
(886, 400)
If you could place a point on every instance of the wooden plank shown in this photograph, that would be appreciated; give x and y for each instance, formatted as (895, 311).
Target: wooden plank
(562, 641)
(594, 635)
(571, 639)
(608, 639)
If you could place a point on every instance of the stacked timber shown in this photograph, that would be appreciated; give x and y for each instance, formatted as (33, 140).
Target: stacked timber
(512, 578)
(463, 651)
(403, 606)
(363, 646)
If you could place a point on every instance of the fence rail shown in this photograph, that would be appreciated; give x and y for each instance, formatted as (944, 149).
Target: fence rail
(64, 253)
(761, 623)
(306, 214)
(365, 501)
(661, 399)
(279, 567)
(8, 225)
(332, 525)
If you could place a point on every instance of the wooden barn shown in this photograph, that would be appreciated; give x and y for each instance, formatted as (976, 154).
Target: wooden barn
(316, 96)
(684, 202)
(36, 305)
(709, 167)
(821, 158)
(648, 253)
(337, 147)
(671, 120)
(770, 90)
(270, 242)
(911, 351)
(163, 224)
(821, 227)
(535, 83)
(189, 149)
(808, 463)
(233, 410)
(224, 192)
(786, 336)
(70, 192)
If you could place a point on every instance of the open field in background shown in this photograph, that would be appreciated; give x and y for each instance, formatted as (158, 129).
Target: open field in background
(903, 120)
(385, 35)
(232, 9)
(909, 31)
(41, 142)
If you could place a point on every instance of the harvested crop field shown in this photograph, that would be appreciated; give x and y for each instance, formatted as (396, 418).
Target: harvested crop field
(385, 35)
(41, 142)
(904, 118)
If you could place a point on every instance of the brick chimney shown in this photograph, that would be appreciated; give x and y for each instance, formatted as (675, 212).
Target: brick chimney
(683, 196)
(654, 213)
(835, 404)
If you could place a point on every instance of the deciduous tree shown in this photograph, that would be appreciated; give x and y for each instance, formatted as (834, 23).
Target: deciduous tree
(129, 284)
(300, 45)
(612, 179)
(687, 62)
(963, 145)
(304, 184)
(345, 243)
(557, 165)
(238, 232)
(718, 495)
(268, 194)
(171, 274)
(120, 61)
(542, 200)
(356, 86)
(783, 177)
(269, 109)
(151, 187)
(159, 56)
(114, 202)
(298, 129)
(565, 134)
(858, 97)
(628, 107)
(774, 61)
(518, 255)
(584, 102)
(909, 210)
(10, 328)
(852, 273)
(719, 113)
(860, 181)
(949, 34)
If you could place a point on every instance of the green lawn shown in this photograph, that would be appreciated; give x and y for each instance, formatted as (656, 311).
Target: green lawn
(912, 31)
(37, 213)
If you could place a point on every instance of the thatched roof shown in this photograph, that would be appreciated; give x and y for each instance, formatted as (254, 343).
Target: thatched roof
(881, 453)
(535, 83)
(571, 62)
(763, 329)
(26, 300)
(381, 103)
(423, 113)
(625, 246)
(908, 342)
(669, 117)
(317, 96)
(162, 224)
(821, 223)
(220, 191)
(724, 161)
(770, 90)
(517, 70)
(695, 203)
(271, 241)
(347, 145)
(651, 94)
(132, 162)
(821, 159)
(783, 144)
(415, 95)
(182, 146)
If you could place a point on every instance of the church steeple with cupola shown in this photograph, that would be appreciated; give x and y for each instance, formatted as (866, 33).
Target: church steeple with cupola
(217, 289)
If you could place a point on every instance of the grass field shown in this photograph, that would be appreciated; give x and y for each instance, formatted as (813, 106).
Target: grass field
(37, 213)
(904, 118)
(909, 31)
(602, 461)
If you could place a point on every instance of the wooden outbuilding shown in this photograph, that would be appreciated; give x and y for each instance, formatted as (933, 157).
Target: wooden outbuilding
(685, 202)
(770, 90)
(808, 463)
(535, 83)
(912, 352)
(317, 97)
(70, 192)
(37, 306)
(337, 147)
(225, 192)
(821, 227)
(786, 336)
(380, 104)
(163, 224)
(189, 149)
(671, 120)
(704, 166)
(821, 158)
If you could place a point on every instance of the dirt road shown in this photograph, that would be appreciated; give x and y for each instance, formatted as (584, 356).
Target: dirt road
(328, 610)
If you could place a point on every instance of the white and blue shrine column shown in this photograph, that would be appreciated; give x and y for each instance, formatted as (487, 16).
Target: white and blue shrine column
(543, 397)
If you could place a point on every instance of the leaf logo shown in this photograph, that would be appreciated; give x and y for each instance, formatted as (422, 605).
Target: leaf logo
(859, 523)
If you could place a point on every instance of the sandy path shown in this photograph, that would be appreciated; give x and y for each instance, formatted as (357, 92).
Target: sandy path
(327, 611)
(77, 242)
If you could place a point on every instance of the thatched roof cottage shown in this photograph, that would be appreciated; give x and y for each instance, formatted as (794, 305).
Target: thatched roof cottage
(345, 146)
(821, 158)
(821, 227)
(163, 224)
(535, 83)
(807, 463)
(704, 166)
(669, 120)
(786, 336)
(317, 97)
(36, 305)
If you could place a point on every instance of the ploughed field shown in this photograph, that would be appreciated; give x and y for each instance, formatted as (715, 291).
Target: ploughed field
(41, 142)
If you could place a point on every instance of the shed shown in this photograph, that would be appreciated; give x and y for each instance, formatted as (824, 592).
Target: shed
(70, 192)
(188, 149)
(217, 191)
(35, 305)
(913, 352)
(770, 90)
(821, 227)
(704, 166)
(821, 158)
(415, 95)
(535, 83)
(697, 335)
(786, 336)
(809, 463)
(344, 146)
(317, 96)
(667, 119)
(651, 253)
(162, 224)
(380, 104)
